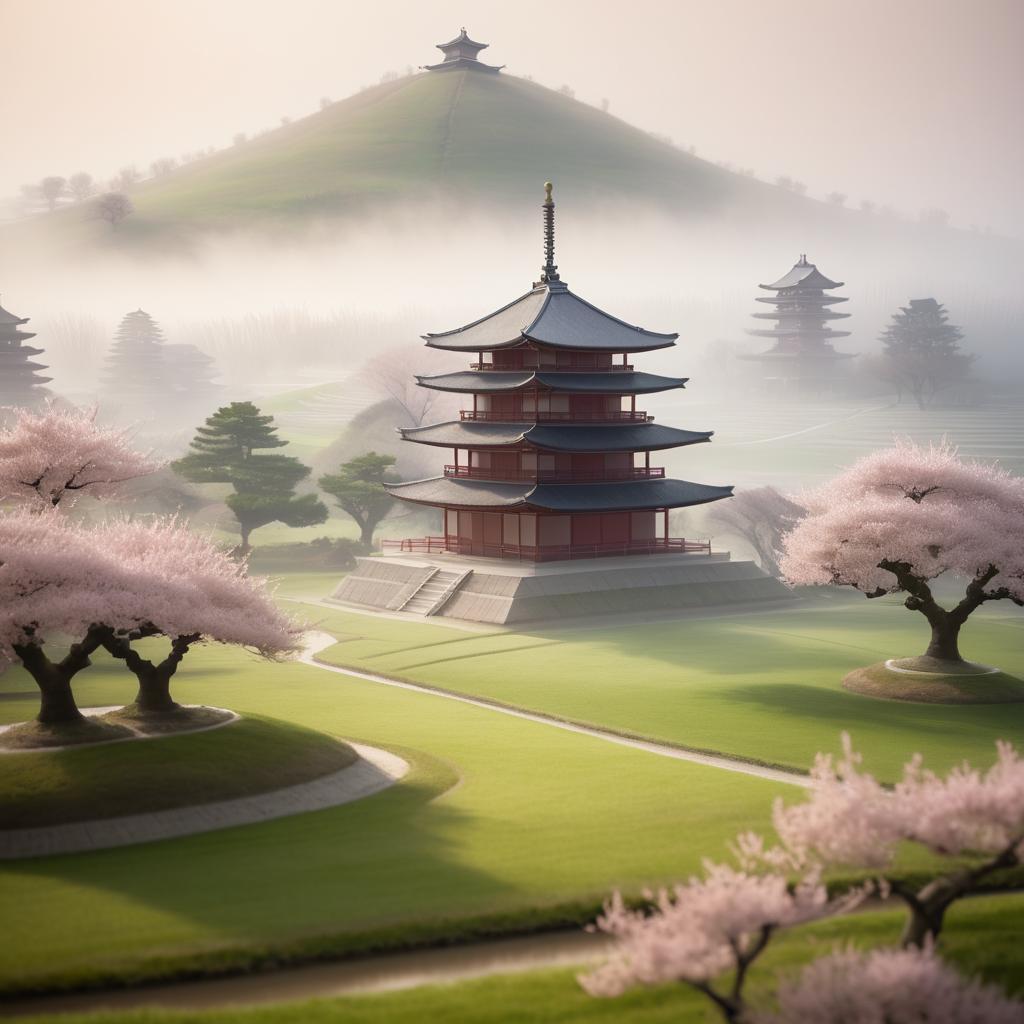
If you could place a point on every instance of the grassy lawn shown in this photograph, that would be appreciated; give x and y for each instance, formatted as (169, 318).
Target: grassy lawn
(762, 685)
(248, 756)
(500, 824)
(982, 938)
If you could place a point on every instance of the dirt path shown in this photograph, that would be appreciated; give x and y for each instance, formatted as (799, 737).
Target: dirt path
(318, 641)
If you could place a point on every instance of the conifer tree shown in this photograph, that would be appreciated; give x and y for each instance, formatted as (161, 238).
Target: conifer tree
(922, 350)
(226, 450)
(358, 488)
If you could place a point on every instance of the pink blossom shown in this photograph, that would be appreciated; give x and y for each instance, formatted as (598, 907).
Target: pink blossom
(699, 930)
(55, 454)
(888, 986)
(850, 818)
(922, 506)
(58, 578)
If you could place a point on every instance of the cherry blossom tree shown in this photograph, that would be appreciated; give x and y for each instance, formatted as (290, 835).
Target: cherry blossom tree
(718, 925)
(886, 986)
(761, 516)
(699, 931)
(188, 591)
(49, 456)
(114, 585)
(852, 819)
(54, 582)
(899, 519)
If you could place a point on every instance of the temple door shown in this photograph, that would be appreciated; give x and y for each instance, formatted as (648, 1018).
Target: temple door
(476, 540)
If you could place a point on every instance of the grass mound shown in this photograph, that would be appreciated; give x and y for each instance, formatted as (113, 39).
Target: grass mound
(974, 684)
(182, 719)
(38, 736)
(252, 755)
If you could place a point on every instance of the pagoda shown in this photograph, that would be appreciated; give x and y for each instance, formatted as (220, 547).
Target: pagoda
(20, 382)
(550, 507)
(803, 338)
(553, 459)
(460, 54)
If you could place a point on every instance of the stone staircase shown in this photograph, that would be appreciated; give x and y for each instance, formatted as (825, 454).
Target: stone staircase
(434, 592)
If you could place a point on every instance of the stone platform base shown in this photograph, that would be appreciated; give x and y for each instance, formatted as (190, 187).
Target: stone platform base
(490, 590)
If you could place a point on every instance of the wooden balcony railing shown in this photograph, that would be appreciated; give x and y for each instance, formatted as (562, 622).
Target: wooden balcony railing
(614, 368)
(617, 416)
(555, 475)
(461, 546)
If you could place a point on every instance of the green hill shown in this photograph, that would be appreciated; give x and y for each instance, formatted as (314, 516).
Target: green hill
(485, 139)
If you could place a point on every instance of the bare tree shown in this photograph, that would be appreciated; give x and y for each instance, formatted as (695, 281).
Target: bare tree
(761, 516)
(566, 90)
(605, 105)
(240, 138)
(837, 198)
(113, 207)
(163, 165)
(390, 375)
(52, 188)
(325, 102)
(81, 186)
(935, 217)
(125, 178)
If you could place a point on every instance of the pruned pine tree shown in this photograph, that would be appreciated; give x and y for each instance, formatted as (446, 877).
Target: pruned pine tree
(358, 488)
(226, 450)
(922, 351)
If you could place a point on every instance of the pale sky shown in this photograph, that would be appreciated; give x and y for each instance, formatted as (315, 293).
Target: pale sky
(914, 103)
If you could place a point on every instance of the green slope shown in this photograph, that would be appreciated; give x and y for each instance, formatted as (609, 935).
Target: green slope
(480, 138)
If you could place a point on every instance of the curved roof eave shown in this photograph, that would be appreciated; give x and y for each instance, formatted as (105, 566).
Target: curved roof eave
(559, 498)
(556, 437)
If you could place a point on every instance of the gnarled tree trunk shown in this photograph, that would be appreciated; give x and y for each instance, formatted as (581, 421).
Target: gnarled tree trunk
(945, 639)
(154, 696)
(57, 700)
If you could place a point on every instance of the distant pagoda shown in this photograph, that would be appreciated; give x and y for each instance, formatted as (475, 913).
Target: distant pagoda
(461, 54)
(20, 383)
(803, 338)
(555, 459)
(134, 370)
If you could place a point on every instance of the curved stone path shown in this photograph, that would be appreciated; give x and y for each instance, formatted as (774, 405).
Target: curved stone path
(315, 642)
(375, 770)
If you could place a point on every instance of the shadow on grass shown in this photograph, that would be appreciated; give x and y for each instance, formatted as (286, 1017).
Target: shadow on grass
(816, 702)
(379, 873)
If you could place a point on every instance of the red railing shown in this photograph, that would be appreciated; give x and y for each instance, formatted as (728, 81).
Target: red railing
(615, 416)
(461, 546)
(561, 476)
(425, 545)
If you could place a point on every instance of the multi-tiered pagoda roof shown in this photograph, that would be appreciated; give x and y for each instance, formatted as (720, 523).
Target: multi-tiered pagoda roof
(801, 332)
(553, 458)
(20, 382)
(461, 54)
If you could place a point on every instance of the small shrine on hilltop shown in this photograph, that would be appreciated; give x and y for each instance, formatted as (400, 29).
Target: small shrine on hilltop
(461, 53)
(802, 352)
(20, 382)
(550, 507)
